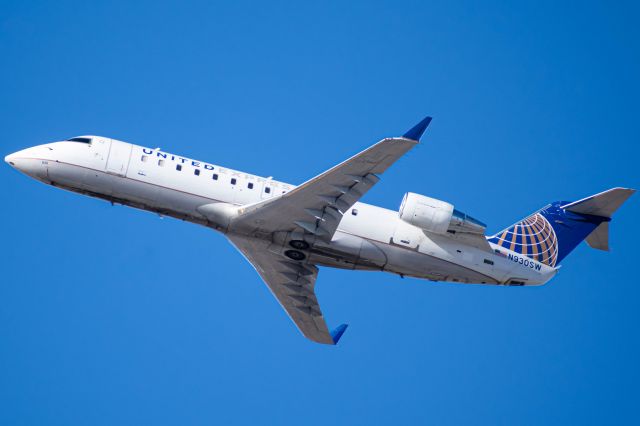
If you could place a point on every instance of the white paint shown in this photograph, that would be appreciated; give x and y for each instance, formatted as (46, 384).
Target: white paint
(367, 237)
(159, 187)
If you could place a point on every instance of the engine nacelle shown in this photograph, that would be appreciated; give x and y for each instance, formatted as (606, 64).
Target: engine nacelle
(437, 216)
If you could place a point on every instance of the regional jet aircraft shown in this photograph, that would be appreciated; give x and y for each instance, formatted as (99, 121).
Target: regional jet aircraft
(287, 231)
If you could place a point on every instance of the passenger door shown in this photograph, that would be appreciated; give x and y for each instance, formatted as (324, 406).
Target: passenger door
(100, 152)
(94, 179)
(118, 160)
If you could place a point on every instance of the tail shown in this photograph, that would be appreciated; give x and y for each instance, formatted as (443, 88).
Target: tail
(552, 232)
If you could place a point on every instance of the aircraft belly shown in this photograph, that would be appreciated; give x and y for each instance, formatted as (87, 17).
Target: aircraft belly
(348, 251)
(97, 182)
(65, 174)
(148, 186)
(414, 263)
(135, 191)
(124, 190)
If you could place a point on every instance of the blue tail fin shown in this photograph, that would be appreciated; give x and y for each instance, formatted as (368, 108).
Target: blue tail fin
(552, 232)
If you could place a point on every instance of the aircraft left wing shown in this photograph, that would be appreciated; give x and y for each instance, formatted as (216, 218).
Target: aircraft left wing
(292, 283)
(317, 205)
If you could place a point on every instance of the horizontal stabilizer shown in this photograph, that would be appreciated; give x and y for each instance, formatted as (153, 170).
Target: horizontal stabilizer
(603, 204)
(599, 238)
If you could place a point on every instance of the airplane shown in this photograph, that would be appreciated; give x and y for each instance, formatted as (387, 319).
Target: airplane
(286, 232)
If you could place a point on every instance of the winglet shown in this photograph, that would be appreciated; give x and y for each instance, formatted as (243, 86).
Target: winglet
(337, 333)
(416, 131)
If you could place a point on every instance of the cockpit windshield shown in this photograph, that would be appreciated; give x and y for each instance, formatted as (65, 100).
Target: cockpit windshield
(83, 140)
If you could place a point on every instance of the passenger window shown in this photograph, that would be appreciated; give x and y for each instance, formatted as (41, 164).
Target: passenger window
(161, 163)
(267, 190)
(196, 172)
(178, 167)
(250, 185)
(144, 158)
(354, 212)
(215, 176)
(233, 181)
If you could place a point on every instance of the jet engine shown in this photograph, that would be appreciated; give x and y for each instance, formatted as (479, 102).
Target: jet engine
(437, 216)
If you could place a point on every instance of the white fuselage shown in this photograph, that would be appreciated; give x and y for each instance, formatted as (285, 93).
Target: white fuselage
(368, 237)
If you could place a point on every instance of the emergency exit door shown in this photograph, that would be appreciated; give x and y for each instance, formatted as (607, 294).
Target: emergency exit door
(118, 160)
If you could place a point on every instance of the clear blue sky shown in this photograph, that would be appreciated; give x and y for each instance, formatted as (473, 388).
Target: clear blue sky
(110, 315)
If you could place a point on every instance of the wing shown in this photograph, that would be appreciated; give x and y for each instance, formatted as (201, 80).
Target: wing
(317, 205)
(292, 283)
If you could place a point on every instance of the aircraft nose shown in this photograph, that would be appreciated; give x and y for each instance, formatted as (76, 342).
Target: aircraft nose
(25, 162)
(10, 159)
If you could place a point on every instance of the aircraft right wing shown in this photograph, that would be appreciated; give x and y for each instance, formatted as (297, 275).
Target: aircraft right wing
(316, 207)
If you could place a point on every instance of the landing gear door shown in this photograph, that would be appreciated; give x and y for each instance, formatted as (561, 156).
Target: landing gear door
(118, 160)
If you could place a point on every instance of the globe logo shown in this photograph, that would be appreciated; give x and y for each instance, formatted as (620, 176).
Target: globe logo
(533, 237)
